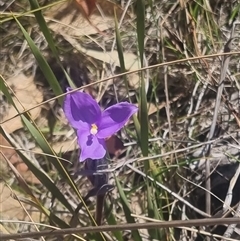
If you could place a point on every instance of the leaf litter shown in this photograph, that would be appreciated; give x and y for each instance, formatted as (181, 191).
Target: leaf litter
(182, 79)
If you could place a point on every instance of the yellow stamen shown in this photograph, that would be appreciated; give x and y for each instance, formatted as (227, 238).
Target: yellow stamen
(94, 129)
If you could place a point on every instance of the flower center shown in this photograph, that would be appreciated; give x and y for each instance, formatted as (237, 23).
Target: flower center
(94, 129)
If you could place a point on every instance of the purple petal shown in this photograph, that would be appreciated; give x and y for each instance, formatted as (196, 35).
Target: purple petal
(114, 118)
(80, 108)
(91, 146)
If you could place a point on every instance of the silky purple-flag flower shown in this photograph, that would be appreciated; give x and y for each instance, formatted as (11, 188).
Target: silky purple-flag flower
(93, 125)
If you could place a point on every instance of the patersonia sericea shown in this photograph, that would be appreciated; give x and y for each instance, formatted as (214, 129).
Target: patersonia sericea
(92, 124)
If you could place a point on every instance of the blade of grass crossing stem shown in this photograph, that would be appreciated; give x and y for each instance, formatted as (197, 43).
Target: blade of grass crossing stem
(127, 212)
(44, 66)
(112, 221)
(44, 145)
(43, 26)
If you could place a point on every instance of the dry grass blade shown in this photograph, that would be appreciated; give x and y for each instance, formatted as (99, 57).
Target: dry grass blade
(207, 149)
(232, 227)
(228, 201)
(228, 198)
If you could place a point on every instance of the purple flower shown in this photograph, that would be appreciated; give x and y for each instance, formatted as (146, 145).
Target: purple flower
(93, 125)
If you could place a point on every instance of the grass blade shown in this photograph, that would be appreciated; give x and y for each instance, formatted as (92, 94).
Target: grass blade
(127, 211)
(43, 26)
(141, 28)
(143, 97)
(112, 221)
(44, 66)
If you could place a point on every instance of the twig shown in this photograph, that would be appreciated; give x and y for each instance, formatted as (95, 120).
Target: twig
(229, 195)
(207, 149)
(126, 73)
(121, 227)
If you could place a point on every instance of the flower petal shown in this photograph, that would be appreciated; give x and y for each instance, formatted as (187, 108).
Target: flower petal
(114, 118)
(91, 146)
(81, 108)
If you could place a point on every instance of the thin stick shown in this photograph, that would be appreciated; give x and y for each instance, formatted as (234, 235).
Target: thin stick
(121, 227)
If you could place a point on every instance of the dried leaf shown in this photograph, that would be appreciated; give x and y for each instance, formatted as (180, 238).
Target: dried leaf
(86, 6)
(109, 8)
(67, 20)
(131, 60)
(11, 208)
(13, 157)
(78, 26)
(28, 94)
